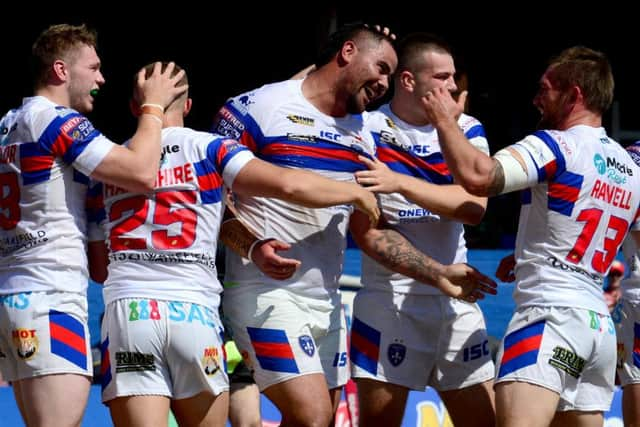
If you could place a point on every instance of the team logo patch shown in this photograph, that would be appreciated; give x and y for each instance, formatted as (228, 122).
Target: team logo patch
(211, 361)
(26, 342)
(129, 361)
(389, 122)
(301, 120)
(396, 353)
(242, 103)
(307, 345)
(567, 361)
(600, 164)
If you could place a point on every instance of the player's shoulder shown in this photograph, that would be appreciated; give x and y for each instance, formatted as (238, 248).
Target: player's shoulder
(634, 151)
(187, 137)
(379, 119)
(264, 97)
(467, 122)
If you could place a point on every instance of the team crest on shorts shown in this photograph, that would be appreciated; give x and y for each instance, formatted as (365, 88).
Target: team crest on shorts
(26, 342)
(396, 353)
(307, 345)
(211, 361)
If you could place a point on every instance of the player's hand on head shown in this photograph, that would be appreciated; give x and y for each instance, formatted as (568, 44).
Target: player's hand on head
(160, 87)
(464, 282)
(386, 31)
(379, 178)
(265, 257)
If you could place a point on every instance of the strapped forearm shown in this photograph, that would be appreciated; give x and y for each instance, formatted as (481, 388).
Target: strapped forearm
(236, 235)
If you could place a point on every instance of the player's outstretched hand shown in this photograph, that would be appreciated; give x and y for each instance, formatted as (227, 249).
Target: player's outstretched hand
(464, 282)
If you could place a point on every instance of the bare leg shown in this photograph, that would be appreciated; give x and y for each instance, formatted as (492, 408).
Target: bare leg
(631, 405)
(244, 405)
(202, 410)
(380, 403)
(520, 404)
(53, 400)
(303, 401)
(578, 419)
(471, 406)
(139, 411)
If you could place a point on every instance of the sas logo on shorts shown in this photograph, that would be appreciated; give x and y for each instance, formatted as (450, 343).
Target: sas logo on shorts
(600, 164)
(211, 361)
(26, 342)
(307, 345)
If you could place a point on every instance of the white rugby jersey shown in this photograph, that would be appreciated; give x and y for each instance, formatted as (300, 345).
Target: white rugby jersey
(631, 284)
(46, 154)
(584, 196)
(163, 245)
(415, 151)
(279, 125)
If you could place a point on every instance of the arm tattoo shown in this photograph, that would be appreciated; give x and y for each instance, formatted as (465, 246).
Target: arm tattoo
(395, 252)
(497, 183)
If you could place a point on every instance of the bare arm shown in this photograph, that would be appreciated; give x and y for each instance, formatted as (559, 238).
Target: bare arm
(478, 173)
(395, 252)
(635, 234)
(263, 252)
(98, 255)
(260, 178)
(135, 167)
(451, 201)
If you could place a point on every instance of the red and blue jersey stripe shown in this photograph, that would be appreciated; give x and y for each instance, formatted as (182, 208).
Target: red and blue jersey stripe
(209, 170)
(431, 168)
(557, 166)
(563, 192)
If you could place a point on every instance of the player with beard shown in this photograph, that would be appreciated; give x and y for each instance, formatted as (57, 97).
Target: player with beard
(581, 193)
(293, 331)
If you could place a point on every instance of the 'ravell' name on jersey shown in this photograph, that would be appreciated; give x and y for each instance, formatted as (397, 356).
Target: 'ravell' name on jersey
(611, 194)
